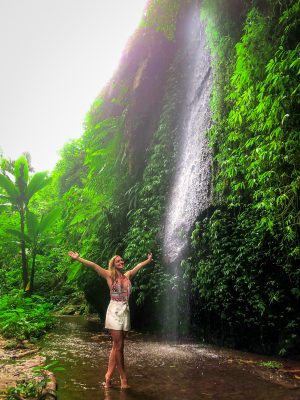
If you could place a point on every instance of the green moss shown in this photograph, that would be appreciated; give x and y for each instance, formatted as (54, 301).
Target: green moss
(271, 364)
(161, 15)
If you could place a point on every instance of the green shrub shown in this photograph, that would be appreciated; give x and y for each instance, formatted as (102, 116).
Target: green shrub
(24, 317)
(25, 389)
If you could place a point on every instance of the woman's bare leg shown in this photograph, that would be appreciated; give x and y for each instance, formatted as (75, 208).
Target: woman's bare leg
(118, 360)
(110, 369)
(122, 353)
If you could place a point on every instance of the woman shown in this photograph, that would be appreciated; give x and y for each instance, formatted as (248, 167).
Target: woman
(117, 316)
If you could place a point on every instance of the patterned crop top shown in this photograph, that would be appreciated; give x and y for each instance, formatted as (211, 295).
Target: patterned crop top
(120, 289)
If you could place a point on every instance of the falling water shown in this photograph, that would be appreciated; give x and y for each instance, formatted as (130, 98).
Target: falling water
(190, 193)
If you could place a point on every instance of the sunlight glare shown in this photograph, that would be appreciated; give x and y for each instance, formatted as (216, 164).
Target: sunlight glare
(56, 57)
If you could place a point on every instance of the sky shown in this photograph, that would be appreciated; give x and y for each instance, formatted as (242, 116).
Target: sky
(56, 56)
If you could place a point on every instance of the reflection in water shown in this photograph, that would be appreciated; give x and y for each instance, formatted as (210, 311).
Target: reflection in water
(128, 394)
(156, 370)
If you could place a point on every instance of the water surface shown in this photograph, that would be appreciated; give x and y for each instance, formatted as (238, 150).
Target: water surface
(156, 370)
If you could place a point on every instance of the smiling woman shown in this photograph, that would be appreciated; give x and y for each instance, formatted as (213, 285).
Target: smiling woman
(56, 57)
(118, 314)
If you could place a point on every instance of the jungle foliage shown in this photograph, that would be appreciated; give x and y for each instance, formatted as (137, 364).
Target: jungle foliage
(91, 185)
(111, 186)
(147, 201)
(24, 317)
(246, 251)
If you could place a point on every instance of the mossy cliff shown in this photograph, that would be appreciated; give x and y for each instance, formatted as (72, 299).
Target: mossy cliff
(113, 182)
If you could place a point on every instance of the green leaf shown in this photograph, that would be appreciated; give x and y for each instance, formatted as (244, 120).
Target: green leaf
(2, 196)
(10, 188)
(18, 234)
(37, 182)
(48, 219)
(32, 225)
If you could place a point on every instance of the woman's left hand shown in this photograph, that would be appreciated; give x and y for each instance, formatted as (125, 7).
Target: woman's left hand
(73, 255)
(150, 257)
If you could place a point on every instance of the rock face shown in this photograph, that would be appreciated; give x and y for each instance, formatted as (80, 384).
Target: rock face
(136, 91)
(153, 54)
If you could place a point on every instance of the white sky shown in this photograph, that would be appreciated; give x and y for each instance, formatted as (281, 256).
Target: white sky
(56, 55)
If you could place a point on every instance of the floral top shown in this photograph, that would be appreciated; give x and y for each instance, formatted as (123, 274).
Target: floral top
(120, 289)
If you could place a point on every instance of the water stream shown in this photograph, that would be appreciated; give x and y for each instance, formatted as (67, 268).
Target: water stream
(190, 193)
(190, 188)
(157, 370)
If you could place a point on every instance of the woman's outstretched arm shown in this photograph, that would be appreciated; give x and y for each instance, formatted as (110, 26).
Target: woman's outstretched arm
(100, 271)
(130, 274)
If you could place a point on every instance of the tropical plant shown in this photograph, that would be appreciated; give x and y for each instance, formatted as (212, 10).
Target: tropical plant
(33, 237)
(24, 317)
(18, 194)
(245, 267)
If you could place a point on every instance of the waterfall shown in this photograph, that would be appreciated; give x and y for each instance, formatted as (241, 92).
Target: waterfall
(190, 189)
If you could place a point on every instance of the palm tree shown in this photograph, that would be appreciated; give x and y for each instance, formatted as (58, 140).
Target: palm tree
(18, 194)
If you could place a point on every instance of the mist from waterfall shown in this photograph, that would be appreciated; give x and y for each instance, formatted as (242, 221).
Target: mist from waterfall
(190, 189)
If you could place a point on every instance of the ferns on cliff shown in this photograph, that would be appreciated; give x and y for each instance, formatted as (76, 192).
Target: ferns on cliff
(247, 251)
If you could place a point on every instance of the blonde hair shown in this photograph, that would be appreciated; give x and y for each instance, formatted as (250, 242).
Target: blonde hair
(112, 268)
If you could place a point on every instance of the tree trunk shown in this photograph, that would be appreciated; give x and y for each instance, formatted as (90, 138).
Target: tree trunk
(23, 252)
(32, 272)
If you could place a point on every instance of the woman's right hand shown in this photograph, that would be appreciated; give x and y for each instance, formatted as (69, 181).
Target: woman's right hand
(150, 257)
(73, 255)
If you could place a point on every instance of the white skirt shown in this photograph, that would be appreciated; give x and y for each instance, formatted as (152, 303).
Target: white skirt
(118, 316)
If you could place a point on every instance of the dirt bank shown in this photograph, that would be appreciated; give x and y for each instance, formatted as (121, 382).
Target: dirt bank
(16, 363)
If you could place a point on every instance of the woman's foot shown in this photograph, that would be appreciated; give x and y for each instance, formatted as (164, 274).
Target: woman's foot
(124, 384)
(107, 383)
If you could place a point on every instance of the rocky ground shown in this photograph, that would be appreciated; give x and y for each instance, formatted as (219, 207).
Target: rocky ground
(16, 363)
